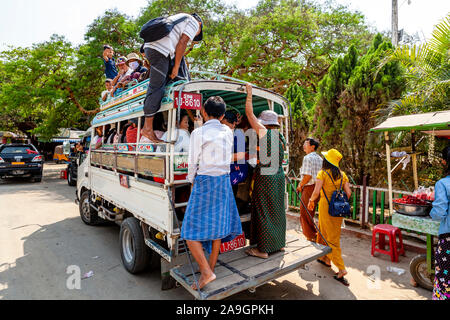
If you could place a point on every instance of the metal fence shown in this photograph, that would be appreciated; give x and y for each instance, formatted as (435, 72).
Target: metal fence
(370, 205)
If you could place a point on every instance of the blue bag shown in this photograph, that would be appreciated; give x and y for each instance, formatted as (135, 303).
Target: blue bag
(338, 206)
(158, 28)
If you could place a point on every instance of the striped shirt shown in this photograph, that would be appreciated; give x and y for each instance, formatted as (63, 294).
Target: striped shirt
(168, 44)
(312, 164)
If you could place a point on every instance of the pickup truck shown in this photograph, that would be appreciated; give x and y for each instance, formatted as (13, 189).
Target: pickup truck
(142, 187)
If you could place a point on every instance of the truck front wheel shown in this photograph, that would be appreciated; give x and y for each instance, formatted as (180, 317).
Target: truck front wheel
(134, 252)
(88, 214)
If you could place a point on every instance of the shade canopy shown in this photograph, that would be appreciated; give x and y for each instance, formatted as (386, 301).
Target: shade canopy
(439, 120)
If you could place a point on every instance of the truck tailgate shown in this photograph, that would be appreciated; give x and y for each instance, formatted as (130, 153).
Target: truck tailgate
(236, 271)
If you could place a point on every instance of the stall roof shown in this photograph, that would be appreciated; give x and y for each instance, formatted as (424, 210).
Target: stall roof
(439, 120)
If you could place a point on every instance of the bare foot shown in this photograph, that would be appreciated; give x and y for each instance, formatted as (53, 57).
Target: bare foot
(151, 136)
(204, 280)
(256, 253)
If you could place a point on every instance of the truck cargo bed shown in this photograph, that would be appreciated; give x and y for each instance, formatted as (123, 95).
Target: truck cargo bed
(236, 271)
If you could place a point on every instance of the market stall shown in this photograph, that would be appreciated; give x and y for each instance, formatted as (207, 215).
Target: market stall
(409, 214)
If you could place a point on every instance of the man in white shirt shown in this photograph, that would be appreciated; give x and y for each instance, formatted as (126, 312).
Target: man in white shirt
(107, 93)
(166, 57)
(211, 216)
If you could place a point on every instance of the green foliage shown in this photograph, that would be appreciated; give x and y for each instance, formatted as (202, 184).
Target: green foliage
(349, 95)
(427, 73)
(301, 122)
(31, 98)
(276, 44)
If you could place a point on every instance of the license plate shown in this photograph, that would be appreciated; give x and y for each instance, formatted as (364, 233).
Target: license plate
(18, 172)
(234, 244)
(17, 163)
(189, 100)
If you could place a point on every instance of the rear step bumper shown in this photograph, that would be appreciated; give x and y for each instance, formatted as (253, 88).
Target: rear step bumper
(237, 272)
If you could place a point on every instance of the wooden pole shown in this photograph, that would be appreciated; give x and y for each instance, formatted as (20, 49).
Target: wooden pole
(388, 160)
(414, 160)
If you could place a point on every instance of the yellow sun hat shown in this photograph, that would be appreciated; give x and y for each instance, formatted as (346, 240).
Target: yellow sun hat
(333, 156)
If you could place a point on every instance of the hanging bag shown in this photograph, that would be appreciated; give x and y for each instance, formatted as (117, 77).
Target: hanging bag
(338, 206)
(158, 28)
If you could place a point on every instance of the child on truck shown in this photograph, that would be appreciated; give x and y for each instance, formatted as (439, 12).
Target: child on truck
(211, 214)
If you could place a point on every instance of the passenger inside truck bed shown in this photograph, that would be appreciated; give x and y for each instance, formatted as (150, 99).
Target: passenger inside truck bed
(182, 133)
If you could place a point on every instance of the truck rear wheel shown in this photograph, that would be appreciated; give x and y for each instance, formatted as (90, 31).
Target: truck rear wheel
(134, 252)
(88, 214)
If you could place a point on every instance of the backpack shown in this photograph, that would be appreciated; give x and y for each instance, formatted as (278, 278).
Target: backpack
(158, 28)
(338, 206)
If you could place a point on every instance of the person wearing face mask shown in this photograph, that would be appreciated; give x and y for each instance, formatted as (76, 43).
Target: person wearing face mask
(135, 63)
(124, 73)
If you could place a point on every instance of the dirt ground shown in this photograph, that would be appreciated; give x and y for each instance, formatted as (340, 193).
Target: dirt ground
(41, 235)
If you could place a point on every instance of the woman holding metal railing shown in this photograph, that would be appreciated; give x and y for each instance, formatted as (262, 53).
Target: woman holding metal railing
(268, 221)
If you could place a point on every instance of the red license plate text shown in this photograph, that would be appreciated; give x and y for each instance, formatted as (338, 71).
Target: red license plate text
(189, 100)
(234, 244)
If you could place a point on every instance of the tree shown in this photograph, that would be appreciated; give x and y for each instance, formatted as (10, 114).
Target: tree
(33, 95)
(280, 42)
(426, 73)
(300, 123)
(349, 96)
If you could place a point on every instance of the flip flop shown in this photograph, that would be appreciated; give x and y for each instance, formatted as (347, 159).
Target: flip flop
(322, 262)
(342, 280)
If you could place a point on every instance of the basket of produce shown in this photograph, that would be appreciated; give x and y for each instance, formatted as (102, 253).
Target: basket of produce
(412, 206)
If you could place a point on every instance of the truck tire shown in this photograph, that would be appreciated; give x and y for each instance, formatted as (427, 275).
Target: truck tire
(88, 215)
(419, 271)
(70, 180)
(134, 252)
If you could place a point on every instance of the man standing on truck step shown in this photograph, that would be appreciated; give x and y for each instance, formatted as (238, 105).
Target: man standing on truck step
(211, 217)
(166, 57)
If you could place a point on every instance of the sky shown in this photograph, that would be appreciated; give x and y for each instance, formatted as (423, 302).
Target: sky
(24, 22)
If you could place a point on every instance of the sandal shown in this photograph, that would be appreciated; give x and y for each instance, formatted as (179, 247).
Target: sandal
(251, 252)
(324, 263)
(342, 280)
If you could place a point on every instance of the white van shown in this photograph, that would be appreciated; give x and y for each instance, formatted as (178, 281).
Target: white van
(143, 188)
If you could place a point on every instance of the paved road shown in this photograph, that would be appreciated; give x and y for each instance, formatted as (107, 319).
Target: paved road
(41, 235)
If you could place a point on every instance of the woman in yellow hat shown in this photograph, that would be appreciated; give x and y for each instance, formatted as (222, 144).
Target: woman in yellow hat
(328, 181)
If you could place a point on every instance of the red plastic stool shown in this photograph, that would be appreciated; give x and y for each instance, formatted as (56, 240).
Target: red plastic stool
(392, 232)
(63, 174)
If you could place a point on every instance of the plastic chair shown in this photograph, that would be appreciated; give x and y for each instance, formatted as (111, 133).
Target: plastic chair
(387, 230)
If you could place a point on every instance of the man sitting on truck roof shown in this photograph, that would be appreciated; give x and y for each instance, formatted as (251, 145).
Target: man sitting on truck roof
(211, 214)
(110, 63)
(166, 58)
(106, 95)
